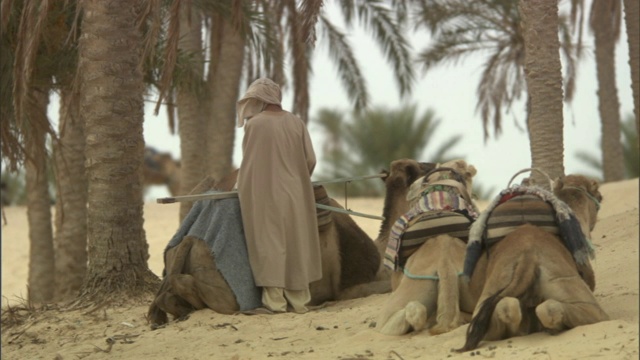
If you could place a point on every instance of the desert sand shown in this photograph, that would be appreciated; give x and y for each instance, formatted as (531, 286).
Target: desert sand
(341, 330)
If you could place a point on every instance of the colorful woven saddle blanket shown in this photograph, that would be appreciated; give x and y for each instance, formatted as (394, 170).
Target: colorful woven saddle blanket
(440, 210)
(521, 205)
(514, 210)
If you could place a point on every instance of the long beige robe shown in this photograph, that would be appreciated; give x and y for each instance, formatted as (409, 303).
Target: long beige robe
(277, 201)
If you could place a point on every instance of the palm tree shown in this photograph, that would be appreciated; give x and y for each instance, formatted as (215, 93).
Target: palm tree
(493, 29)
(544, 84)
(41, 260)
(605, 24)
(261, 31)
(33, 56)
(371, 140)
(631, 15)
(224, 85)
(109, 68)
(70, 220)
(191, 104)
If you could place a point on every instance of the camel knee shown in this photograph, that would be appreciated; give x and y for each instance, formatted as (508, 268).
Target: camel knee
(396, 324)
(416, 315)
(448, 319)
(168, 303)
(157, 316)
(555, 315)
(184, 286)
(551, 314)
(506, 319)
(508, 311)
(217, 298)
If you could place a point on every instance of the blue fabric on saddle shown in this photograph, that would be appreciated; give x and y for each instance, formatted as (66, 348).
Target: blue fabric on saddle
(439, 210)
(520, 205)
(219, 224)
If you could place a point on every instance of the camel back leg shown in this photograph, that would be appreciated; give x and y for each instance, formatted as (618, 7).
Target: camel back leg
(206, 282)
(569, 303)
(166, 301)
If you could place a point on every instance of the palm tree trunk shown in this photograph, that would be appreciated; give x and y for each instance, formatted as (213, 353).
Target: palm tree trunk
(191, 105)
(631, 16)
(41, 260)
(71, 206)
(225, 84)
(544, 83)
(608, 106)
(112, 108)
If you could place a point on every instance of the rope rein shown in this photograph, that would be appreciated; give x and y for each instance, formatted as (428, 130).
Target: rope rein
(591, 197)
(423, 277)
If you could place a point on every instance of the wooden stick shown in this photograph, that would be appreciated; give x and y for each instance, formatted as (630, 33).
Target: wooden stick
(234, 193)
(348, 212)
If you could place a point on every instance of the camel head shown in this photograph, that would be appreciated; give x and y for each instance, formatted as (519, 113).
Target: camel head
(457, 170)
(402, 173)
(461, 167)
(583, 196)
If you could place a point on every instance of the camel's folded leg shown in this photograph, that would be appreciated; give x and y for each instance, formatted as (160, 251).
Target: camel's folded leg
(566, 309)
(506, 319)
(448, 316)
(211, 288)
(185, 286)
(166, 301)
(170, 303)
(408, 307)
(157, 316)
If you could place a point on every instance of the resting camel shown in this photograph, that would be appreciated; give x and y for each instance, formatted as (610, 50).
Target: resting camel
(350, 263)
(531, 280)
(429, 281)
(161, 169)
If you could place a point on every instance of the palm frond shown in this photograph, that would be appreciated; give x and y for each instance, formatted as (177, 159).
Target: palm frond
(398, 133)
(310, 11)
(348, 69)
(390, 35)
(171, 54)
(492, 29)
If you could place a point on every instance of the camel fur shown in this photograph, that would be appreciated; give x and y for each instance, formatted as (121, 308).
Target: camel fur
(429, 292)
(530, 281)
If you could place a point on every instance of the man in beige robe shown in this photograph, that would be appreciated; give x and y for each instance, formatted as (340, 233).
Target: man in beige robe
(276, 199)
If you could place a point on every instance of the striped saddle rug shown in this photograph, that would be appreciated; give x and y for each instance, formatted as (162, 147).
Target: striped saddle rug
(513, 211)
(439, 211)
(519, 205)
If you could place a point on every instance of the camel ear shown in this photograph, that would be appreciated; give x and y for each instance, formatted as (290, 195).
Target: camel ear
(412, 172)
(471, 171)
(425, 167)
(594, 189)
(558, 184)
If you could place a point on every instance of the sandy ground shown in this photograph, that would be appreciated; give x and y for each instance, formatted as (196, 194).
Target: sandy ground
(341, 330)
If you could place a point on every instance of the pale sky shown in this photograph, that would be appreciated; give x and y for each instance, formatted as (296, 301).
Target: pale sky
(451, 92)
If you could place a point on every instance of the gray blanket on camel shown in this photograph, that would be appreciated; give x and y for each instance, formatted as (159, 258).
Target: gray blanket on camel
(219, 224)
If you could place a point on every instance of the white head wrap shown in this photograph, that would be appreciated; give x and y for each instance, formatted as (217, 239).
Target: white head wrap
(260, 93)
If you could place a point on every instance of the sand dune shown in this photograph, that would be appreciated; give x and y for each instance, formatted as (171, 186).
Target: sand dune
(341, 330)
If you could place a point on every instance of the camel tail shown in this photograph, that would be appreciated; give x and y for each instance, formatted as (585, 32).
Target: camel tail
(523, 279)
